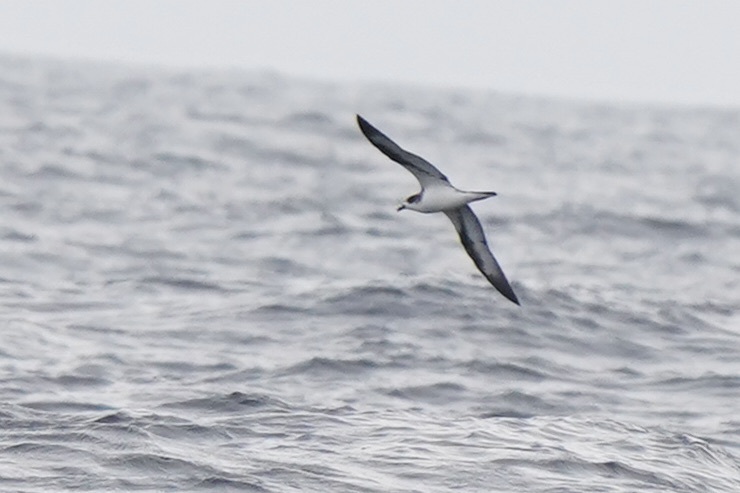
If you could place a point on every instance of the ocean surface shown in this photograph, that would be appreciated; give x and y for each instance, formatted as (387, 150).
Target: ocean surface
(205, 286)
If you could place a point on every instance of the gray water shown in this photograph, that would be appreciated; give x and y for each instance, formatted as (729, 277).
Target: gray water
(205, 287)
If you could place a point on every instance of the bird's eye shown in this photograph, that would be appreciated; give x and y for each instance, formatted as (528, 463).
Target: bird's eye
(414, 198)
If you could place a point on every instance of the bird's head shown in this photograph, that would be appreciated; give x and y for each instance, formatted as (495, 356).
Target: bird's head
(409, 202)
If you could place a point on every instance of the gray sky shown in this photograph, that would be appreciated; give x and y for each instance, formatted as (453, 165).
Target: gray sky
(627, 50)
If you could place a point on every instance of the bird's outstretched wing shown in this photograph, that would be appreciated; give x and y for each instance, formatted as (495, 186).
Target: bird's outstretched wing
(424, 171)
(474, 241)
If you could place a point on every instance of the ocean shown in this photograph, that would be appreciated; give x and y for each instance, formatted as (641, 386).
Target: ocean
(206, 286)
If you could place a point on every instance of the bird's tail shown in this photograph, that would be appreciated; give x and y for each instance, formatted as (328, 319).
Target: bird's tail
(480, 195)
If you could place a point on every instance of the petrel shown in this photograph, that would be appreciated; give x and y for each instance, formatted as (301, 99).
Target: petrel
(438, 195)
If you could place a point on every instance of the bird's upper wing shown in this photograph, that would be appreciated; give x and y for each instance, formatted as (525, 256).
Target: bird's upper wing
(474, 241)
(424, 171)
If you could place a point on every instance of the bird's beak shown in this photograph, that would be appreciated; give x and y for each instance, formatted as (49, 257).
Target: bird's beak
(400, 208)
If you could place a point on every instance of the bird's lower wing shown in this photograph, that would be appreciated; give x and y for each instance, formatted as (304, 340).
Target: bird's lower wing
(474, 240)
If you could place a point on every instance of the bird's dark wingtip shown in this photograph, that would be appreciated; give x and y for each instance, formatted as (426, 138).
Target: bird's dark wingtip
(367, 129)
(509, 295)
(364, 125)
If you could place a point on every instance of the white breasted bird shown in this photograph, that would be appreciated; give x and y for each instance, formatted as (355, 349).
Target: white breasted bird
(438, 195)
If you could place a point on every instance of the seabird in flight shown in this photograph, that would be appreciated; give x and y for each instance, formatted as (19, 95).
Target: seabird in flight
(438, 195)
